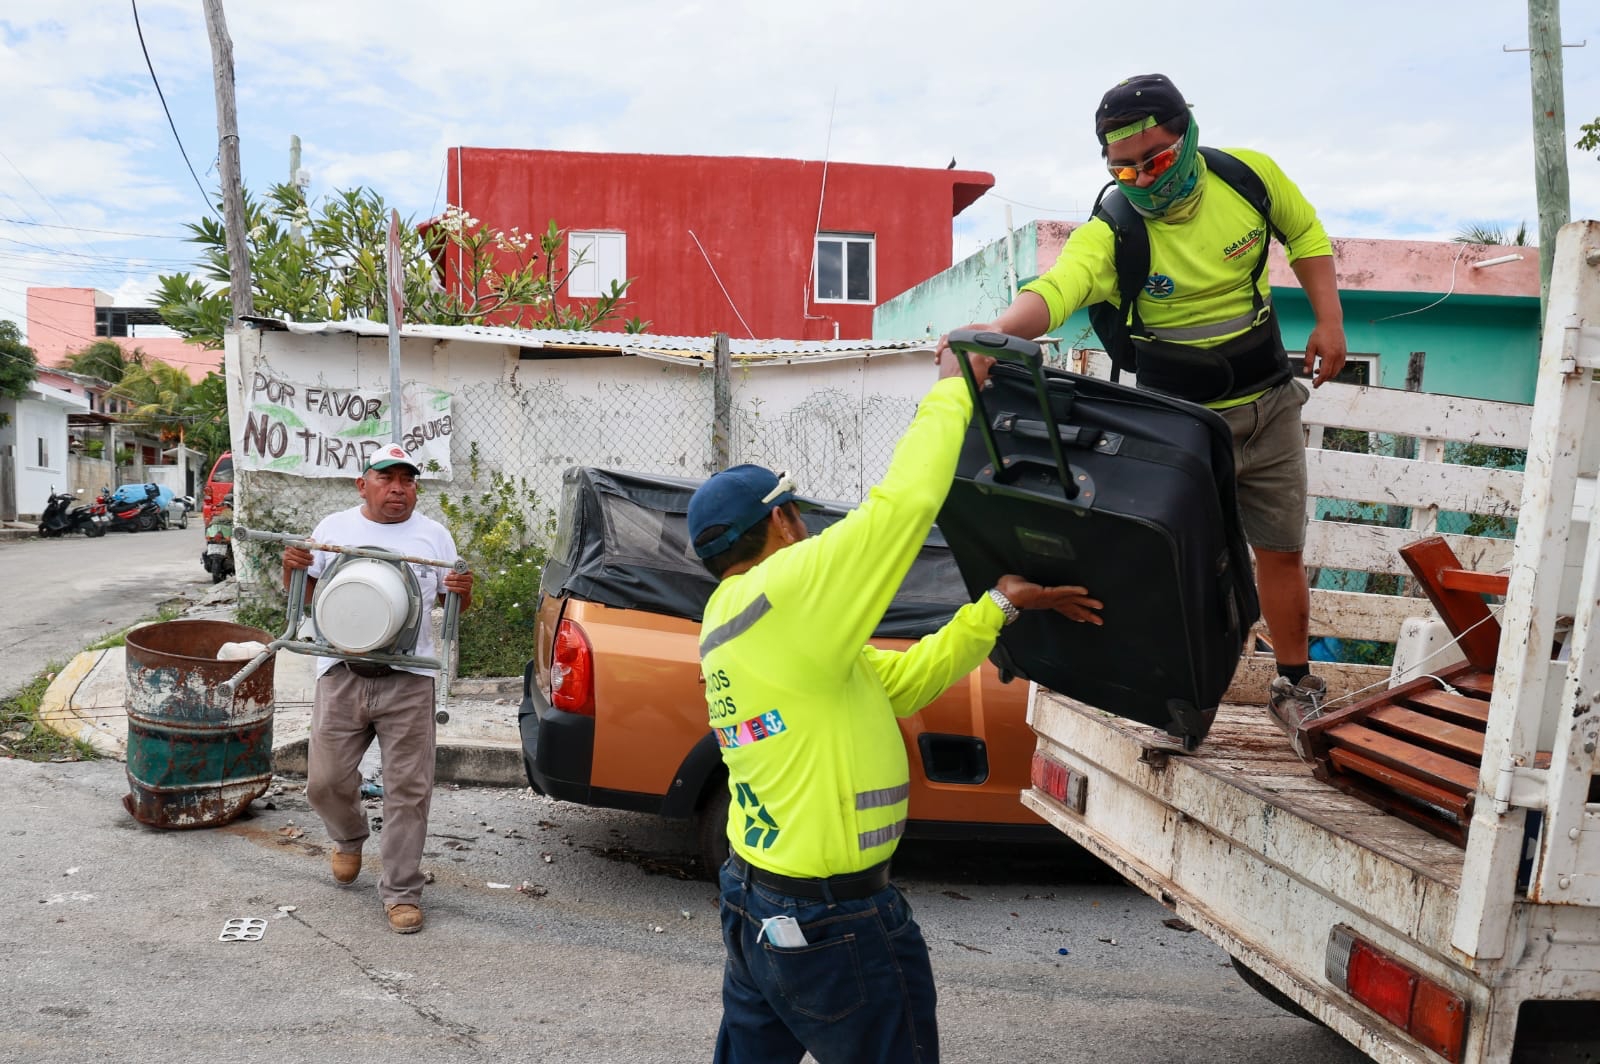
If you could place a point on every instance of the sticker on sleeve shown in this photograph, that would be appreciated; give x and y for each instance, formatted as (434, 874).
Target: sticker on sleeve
(753, 730)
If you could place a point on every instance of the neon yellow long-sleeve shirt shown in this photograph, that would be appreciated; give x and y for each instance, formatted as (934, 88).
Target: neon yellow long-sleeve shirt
(803, 708)
(1200, 257)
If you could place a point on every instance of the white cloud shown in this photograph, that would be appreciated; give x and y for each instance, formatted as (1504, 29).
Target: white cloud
(1396, 119)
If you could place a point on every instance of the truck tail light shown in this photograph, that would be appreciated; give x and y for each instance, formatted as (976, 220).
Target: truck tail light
(572, 671)
(1058, 781)
(1423, 1008)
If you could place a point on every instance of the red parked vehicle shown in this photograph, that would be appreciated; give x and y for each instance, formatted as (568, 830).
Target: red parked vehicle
(218, 485)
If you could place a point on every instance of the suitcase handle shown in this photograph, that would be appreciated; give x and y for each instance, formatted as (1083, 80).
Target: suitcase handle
(1071, 435)
(1001, 346)
(1002, 471)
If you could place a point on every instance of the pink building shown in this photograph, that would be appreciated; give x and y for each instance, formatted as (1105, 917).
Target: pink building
(64, 320)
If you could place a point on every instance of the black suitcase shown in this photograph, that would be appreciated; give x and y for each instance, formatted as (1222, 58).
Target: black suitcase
(1066, 479)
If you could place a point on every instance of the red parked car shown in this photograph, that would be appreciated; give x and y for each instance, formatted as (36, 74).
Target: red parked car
(218, 485)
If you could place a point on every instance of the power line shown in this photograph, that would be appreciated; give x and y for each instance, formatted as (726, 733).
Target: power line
(162, 97)
(82, 242)
(87, 256)
(86, 229)
(1034, 206)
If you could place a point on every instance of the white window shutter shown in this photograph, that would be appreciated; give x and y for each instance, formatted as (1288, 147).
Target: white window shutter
(582, 276)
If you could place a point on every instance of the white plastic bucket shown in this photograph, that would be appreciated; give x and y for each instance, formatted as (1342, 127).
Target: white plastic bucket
(363, 605)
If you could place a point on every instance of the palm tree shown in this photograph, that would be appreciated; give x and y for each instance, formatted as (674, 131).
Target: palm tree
(1481, 233)
(104, 359)
(157, 394)
(205, 412)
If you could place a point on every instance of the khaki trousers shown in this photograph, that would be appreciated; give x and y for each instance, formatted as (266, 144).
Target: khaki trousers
(349, 712)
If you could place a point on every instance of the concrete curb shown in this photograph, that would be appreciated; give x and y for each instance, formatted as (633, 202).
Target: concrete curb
(65, 713)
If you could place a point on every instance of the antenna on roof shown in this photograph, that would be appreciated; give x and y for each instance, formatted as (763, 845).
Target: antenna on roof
(816, 230)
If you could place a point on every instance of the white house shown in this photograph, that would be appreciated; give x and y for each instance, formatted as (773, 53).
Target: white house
(33, 448)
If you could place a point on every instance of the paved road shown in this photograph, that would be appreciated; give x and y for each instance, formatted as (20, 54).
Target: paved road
(62, 594)
(109, 945)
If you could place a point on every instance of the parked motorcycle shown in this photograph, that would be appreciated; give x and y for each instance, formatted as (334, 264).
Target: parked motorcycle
(218, 554)
(137, 510)
(61, 518)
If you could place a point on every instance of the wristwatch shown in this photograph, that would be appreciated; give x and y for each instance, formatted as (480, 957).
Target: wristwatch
(999, 599)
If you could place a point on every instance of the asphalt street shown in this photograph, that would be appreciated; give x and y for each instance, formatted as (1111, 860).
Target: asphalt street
(63, 594)
(555, 933)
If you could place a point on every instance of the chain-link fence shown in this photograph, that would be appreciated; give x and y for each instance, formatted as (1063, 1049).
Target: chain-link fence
(832, 423)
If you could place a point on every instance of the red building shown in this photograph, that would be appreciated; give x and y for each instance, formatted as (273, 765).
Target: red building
(750, 247)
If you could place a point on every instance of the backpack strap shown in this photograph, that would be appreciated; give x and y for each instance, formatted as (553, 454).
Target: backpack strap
(1131, 242)
(1244, 181)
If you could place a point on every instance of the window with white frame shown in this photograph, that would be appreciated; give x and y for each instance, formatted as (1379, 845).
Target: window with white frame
(594, 261)
(844, 268)
(44, 452)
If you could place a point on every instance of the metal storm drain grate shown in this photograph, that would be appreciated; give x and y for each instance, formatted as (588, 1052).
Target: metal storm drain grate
(243, 929)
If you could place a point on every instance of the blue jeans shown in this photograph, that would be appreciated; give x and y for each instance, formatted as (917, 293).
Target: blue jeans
(861, 989)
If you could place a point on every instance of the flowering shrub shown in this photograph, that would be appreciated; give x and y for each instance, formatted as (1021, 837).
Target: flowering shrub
(335, 269)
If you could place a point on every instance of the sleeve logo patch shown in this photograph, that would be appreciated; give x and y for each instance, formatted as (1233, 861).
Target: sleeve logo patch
(753, 730)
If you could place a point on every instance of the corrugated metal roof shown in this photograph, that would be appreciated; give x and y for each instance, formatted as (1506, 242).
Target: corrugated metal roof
(673, 348)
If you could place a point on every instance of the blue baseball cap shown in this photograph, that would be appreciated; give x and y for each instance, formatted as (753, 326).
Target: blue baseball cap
(739, 498)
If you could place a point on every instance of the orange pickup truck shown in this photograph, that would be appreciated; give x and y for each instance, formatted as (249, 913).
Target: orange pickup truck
(613, 707)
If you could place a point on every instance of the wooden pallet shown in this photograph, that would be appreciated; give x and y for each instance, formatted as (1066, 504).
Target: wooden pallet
(1416, 750)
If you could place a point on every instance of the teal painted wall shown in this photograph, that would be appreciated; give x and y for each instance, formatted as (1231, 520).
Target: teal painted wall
(1481, 346)
(1486, 347)
(974, 289)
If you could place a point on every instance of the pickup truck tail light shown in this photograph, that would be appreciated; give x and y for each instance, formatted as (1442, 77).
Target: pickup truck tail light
(572, 670)
(1423, 1008)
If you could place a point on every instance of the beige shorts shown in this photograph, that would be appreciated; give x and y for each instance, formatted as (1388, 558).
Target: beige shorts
(1269, 461)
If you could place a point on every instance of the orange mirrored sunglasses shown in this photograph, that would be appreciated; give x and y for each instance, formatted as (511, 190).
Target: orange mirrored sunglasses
(1155, 166)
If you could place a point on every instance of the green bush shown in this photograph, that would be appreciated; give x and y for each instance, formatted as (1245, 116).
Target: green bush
(506, 549)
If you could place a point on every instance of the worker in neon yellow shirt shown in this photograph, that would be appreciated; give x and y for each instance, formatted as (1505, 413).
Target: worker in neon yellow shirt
(823, 955)
(1203, 329)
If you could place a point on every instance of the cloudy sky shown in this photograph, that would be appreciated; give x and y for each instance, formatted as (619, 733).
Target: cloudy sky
(1405, 118)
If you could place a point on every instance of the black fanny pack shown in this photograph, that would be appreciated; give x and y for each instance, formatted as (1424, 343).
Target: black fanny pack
(370, 670)
(1249, 363)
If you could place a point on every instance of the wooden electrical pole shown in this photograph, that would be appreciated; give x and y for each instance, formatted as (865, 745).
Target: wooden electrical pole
(1549, 133)
(228, 163)
(721, 401)
(294, 180)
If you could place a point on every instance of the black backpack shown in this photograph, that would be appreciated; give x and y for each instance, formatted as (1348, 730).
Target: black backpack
(1111, 323)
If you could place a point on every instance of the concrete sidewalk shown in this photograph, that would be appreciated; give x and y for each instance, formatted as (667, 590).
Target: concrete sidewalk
(479, 744)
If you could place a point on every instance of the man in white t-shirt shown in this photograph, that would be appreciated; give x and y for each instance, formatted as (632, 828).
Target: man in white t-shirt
(356, 703)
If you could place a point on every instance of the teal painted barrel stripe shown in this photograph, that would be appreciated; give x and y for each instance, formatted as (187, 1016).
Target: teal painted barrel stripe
(169, 757)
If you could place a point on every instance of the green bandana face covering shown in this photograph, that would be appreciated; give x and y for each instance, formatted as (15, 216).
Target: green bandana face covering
(1174, 186)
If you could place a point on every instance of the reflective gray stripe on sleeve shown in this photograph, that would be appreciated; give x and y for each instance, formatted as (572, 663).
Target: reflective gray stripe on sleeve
(1206, 332)
(735, 627)
(869, 839)
(879, 799)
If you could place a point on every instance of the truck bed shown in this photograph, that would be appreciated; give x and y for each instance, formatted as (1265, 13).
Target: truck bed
(1243, 842)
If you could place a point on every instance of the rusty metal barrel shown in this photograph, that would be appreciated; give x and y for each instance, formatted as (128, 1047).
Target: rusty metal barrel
(196, 758)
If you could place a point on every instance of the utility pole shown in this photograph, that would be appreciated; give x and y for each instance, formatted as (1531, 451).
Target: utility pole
(228, 163)
(294, 179)
(1549, 134)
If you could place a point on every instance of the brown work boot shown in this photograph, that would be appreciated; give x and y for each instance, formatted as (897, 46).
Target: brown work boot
(346, 866)
(404, 919)
(1294, 705)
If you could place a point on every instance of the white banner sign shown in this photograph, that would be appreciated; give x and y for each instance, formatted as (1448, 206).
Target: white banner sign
(312, 430)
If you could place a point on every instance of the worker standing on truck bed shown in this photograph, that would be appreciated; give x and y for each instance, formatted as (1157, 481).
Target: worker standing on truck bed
(822, 952)
(1202, 326)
